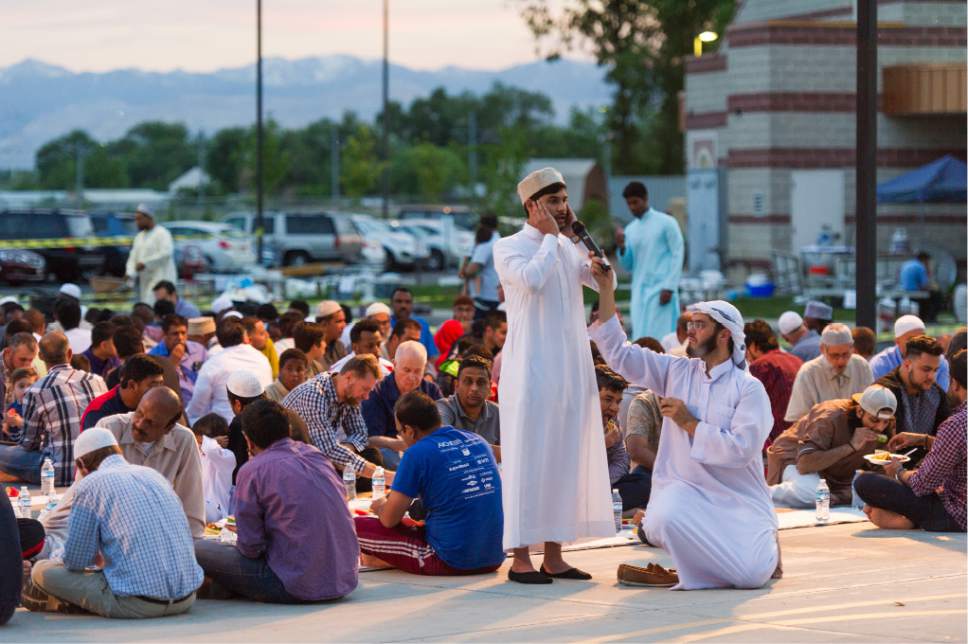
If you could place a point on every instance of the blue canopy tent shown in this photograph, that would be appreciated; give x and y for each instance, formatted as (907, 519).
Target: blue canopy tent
(941, 181)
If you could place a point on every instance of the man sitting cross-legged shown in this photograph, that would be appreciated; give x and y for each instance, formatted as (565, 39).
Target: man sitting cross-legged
(932, 497)
(296, 540)
(830, 443)
(127, 521)
(454, 474)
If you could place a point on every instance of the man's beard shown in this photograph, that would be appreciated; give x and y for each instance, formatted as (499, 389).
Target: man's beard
(703, 349)
(352, 401)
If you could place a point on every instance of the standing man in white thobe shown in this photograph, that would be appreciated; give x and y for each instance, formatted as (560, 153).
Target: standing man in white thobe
(151, 258)
(555, 473)
(651, 249)
(710, 507)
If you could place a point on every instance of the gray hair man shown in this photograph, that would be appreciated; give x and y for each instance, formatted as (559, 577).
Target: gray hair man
(836, 374)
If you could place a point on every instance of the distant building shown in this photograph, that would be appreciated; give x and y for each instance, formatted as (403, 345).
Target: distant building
(770, 126)
(192, 179)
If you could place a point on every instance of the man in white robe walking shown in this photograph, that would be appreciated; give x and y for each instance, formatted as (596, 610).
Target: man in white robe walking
(555, 474)
(151, 258)
(710, 507)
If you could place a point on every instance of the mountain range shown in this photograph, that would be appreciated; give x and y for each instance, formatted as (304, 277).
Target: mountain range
(43, 101)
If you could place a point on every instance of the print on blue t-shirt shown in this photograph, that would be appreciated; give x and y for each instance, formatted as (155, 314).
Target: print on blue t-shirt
(455, 475)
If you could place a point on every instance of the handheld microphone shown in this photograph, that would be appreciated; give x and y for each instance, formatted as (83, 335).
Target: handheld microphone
(582, 233)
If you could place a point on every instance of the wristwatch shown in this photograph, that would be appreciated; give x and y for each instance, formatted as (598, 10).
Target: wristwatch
(897, 474)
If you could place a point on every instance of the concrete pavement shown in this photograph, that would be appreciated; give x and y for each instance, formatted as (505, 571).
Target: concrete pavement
(842, 583)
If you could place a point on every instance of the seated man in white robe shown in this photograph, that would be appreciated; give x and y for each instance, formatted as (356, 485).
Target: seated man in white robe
(709, 506)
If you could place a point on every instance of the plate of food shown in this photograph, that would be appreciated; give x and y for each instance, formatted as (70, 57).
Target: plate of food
(883, 457)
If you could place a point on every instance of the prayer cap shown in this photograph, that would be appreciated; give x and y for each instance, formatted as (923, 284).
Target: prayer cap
(789, 322)
(906, 324)
(730, 317)
(222, 303)
(244, 384)
(878, 401)
(836, 333)
(377, 308)
(201, 326)
(233, 314)
(327, 308)
(93, 439)
(818, 310)
(536, 181)
(145, 209)
(72, 290)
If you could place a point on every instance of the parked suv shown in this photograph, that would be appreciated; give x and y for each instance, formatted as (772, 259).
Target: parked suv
(300, 237)
(66, 262)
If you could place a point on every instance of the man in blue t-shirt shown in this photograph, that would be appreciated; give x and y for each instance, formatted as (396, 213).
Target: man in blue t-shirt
(454, 473)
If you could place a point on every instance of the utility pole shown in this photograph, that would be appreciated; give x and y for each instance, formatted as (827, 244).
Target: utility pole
(334, 162)
(472, 150)
(865, 216)
(385, 148)
(259, 217)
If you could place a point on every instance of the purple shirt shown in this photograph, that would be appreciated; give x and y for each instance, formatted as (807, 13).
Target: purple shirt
(289, 506)
(945, 466)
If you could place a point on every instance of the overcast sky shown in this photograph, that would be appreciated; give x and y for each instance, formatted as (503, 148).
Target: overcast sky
(202, 35)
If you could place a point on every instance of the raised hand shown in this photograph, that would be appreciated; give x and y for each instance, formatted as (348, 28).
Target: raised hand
(540, 218)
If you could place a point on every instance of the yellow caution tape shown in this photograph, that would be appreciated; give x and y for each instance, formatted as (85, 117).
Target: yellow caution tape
(83, 242)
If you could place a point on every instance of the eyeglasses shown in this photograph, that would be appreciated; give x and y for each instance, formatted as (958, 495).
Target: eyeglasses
(696, 325)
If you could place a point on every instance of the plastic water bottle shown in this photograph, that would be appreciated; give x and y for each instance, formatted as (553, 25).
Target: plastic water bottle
(24, 502)
(349, 483)
(823, 502)
(617, 509)
(47, 478)
(379, 481)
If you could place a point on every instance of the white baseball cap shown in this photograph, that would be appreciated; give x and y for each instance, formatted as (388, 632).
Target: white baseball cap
(93, 439)
(877, 401)
(71, 289)
(906, 324)
(789, 322)
(244, 384)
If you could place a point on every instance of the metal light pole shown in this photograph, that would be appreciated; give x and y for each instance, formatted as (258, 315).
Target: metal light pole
(259, 218)
(385, 148)
(865, 233)
(334, 162)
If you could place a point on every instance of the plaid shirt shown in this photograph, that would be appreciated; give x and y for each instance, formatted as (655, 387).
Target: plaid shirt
(945, 466)
(53, 407)
(131, 514)
(330, 422)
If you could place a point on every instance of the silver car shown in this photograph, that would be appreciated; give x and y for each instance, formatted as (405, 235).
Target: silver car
(299, 237)
(224, 248)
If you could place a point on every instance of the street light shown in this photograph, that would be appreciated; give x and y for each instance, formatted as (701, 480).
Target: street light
(706, 36)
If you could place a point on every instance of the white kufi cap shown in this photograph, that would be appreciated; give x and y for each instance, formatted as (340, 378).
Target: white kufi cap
(789, 322)
(93, 439)
(244, 384)
(538, 180)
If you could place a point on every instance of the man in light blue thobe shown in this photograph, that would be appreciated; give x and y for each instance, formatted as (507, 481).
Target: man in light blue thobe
(651, 249)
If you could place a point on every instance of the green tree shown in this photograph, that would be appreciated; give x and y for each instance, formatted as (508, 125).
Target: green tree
(361, 167)
(155, 153)
(226, 156)
(427, 172)
(56, 163)
(643, 45)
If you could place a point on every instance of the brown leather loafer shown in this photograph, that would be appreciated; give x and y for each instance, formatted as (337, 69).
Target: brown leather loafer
(652, 576)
